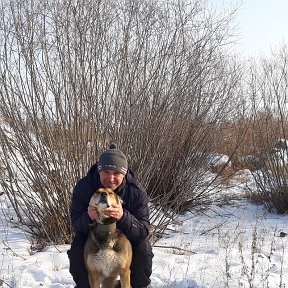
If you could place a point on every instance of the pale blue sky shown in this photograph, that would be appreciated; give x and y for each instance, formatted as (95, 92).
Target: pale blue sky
(262, 24)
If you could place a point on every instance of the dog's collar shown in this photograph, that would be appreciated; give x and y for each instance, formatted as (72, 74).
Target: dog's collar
(105, 227)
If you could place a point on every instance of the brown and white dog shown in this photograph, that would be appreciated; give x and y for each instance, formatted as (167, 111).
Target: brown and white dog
(107, 252)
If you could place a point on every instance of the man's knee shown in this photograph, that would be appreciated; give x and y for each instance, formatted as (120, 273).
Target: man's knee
(77, 264)
(141, 267)
(143, 248)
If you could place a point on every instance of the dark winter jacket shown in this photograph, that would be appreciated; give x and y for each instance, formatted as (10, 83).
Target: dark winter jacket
(135, 221)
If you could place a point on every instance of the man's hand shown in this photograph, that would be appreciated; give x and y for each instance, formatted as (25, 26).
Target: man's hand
(115, 211)
(93, 213)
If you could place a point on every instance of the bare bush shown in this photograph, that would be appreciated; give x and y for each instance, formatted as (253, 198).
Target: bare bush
(269, 85)
(149, 75)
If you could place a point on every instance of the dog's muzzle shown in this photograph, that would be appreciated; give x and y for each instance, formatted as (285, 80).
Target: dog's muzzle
(104, 199)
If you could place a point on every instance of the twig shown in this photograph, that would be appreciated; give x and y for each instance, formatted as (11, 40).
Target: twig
(175, 248)
(14, 254)
(3, 282)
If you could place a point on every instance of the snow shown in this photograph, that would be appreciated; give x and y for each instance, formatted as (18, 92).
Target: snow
(238, 244)
(221, 245)
(218, 159)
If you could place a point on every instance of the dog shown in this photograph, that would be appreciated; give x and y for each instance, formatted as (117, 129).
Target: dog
(107, 251)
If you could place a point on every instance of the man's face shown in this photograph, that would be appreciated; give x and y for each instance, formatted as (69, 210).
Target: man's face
(111, 179)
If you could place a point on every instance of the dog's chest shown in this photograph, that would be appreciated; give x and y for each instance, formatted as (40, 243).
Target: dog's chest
(106, 260)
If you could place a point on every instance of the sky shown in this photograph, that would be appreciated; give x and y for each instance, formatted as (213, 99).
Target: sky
(262, 24)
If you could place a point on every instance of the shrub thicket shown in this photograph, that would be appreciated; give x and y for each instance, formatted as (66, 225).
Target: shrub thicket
(152, 76)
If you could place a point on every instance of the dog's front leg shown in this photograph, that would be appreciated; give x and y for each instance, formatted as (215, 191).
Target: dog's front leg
(94, 279)
(125, 278)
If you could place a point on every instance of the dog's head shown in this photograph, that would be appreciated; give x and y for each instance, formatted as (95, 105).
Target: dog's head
(102, 199)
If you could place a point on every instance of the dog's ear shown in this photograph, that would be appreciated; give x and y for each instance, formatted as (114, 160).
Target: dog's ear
(92, 201)
(120, 200)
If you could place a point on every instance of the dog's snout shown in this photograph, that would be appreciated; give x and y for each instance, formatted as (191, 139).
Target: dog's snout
(103, 198)
(103, 195)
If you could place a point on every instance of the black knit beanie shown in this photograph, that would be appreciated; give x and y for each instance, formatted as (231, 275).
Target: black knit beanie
(113, 159)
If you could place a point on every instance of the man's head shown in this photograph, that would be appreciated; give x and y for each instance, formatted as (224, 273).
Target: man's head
(112, 167)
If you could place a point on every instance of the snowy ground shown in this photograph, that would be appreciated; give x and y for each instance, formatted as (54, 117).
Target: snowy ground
(236, 245)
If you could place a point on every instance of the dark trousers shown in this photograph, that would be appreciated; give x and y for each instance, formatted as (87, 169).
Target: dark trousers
(141, 266)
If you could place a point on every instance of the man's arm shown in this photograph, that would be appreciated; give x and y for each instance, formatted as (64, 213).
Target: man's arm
(80, 200)
(135, 223)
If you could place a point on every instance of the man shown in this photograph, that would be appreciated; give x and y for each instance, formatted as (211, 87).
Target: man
(112, 171)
